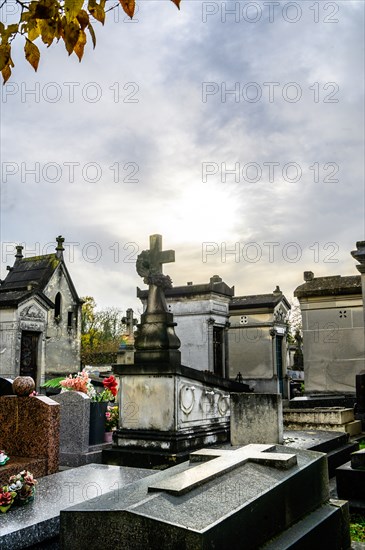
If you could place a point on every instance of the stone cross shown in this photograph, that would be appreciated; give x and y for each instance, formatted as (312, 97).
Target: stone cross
(157, 256)
(129, 322)
(220, 462)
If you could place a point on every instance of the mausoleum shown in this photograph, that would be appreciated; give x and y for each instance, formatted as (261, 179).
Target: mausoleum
(40, 318)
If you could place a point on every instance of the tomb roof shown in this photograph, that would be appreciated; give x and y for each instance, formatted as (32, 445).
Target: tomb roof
(258, 301)
(335, 285)
(215, 285)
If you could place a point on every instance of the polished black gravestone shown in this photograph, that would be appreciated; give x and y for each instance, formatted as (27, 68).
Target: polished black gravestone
(36, 525)
(6, 386)
(350, 480)
(360, 399)
(240, 499)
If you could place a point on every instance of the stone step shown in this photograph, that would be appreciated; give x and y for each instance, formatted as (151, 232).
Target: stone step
(352, 428)
(358, 459)
(324, 524)
(339, 456)
(328, 416)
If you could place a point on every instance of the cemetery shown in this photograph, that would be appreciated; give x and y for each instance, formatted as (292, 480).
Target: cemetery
(205, 446)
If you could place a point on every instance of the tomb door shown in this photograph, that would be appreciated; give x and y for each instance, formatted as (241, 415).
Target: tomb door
(29, 354)
(218, 350)
(279, 361)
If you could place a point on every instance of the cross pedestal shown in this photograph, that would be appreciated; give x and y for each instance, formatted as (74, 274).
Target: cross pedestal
(156, 340)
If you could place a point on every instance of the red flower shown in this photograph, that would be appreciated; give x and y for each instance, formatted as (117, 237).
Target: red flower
(6, 498)
(111, 384)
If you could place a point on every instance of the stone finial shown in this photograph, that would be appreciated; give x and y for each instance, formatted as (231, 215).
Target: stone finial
(216, 279)
(277, 291)
(359, 255)
(23, 386)
(308, 276)
(19, 251)
(59, 248)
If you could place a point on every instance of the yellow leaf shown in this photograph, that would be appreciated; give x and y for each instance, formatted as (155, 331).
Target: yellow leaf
(80, 45)
(97, 10)
(83, 19)
(92, 34)
(33, 30)
(72, 8)
(6, 72)
(177, 3)
(71, 33)
(128, 6)
(47, 31)
(4, 55)
(32, 53)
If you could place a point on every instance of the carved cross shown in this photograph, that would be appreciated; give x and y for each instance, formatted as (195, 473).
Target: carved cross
(219, 462)
(129, 322)
(157, 256)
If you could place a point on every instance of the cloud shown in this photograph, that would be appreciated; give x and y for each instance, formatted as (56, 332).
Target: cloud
(120, 153)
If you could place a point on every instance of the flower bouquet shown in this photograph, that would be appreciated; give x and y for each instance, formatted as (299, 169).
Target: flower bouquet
(6, 498)
(3, 458)
(111, 418)
(81, 382)
(23, 484)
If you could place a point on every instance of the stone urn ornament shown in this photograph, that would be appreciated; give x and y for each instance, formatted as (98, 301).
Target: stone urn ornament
(23, 386)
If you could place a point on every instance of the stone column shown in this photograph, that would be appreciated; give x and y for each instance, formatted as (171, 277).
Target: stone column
(359, 255)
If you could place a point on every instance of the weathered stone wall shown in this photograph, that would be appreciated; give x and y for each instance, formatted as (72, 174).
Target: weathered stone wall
(256, 418)
(63, 345)
(195, 328)
(333, 343)
(8, 341)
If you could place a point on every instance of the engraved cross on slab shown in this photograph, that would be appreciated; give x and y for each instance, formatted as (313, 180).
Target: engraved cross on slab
(158, 257)
(219, 462)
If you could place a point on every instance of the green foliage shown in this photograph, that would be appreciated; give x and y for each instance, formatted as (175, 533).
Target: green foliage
(53, 383)
(51, 20)
(101, 333)
(357, 527)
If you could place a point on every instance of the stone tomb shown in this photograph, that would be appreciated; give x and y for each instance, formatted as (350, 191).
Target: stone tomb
(38, 523)
(243, 499)
(29, 434)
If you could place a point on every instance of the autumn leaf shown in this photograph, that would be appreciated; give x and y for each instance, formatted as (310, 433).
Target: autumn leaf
(177, 3)
(71, 33)
(97, 10)
(33, 30)
(83, 19)
(92, 34)
(72, 8)
(6, 72)
(32, 53)
(80, 44)
(47, 31)
(128, 6)
(4, 55)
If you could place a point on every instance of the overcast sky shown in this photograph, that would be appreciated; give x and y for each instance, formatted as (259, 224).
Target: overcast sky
(237, 136)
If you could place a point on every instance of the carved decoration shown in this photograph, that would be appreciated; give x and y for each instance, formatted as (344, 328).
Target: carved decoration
(32, 312)
(187, 398)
